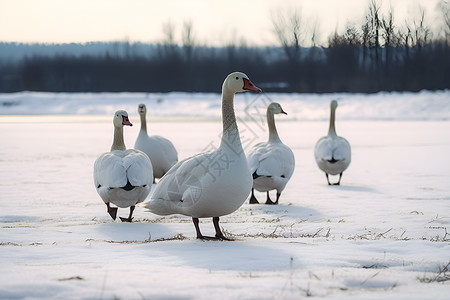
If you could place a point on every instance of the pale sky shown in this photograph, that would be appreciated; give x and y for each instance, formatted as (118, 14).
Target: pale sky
(214, 22)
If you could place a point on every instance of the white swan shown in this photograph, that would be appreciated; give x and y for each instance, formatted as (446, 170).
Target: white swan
(332, 152)
(271, 163)
(160, 150)
(122, 177)
(210, 184)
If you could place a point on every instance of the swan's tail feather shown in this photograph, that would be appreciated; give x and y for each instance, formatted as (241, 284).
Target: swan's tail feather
(159, 207)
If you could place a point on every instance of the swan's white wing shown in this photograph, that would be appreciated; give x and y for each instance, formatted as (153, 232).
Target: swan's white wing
(286, 161)
(328, 148)
(168, 147)
(113, 169)
(255, 155)
(109, 171)
(342, 150)
(332, 154)
(324, 149)
(138, 167)
(187, 174)
(277, 161)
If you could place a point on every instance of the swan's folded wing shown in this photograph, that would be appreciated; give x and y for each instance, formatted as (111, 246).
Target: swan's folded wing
(343, 150)
(287, 162)
(184, 176)
(138, 167)
(256, 154)
(324, 149)
(109, 171)
(169, 149)
(279, 162)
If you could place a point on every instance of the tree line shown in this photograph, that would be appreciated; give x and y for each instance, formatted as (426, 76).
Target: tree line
(375, 55)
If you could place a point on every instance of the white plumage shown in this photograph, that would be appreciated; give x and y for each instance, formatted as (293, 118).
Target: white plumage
(332, 152)
(209, 184)
(122, 177)
(160, 150)
(271, 163)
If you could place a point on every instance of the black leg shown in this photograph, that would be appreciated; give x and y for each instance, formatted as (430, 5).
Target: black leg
(130, 218)
(269, 201)
(219, 233)
(328, 180)
(112, 211)
(199, 234)
(197, 228)
(278, 197)
(253, 199)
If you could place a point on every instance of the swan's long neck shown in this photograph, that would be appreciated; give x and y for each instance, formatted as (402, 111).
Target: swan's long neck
(118, 142)
(273, 133)
(332, 129)
(230, 134)
(143, 123)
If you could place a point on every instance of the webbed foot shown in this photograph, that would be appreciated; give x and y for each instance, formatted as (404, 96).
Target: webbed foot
(129, 220)
(253, 199)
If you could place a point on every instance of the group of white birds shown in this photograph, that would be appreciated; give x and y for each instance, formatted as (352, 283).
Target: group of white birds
(210, 184)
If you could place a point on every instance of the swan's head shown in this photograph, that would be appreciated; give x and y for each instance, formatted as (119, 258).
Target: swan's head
(333, 104)
(238, 82)
(121, 119)
(142, 109)
(276, 108)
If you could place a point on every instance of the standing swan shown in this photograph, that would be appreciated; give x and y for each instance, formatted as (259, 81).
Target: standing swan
(271, 163)
(122, 177)
(209, 184)
(332, 152)
(160, 150)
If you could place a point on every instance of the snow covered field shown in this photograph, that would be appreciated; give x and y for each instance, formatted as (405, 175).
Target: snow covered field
(383, 234)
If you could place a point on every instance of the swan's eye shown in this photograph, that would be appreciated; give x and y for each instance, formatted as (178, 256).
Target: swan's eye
(237, 78)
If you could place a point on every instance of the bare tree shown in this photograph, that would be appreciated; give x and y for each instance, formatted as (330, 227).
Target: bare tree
(352, 36)
(388, 34)
(315, 33)
(188, 39)
(343, 58)
(373, 26)
(365, 37)
(290, 31)
(168, 42)
(388, 29)
(444, 7)
(169, 33)
(421, 31)
(405, 38)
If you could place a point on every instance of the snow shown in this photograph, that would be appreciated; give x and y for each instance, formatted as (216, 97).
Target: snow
(383, 234)
(424, 105)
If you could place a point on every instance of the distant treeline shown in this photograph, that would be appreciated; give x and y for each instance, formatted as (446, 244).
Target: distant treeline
(376, 55)
(342, 67)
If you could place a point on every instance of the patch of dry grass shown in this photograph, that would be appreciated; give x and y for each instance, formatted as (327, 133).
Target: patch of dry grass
(177, 237)
(442, 276)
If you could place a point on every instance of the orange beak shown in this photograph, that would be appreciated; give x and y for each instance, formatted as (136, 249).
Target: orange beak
(248, 85)
(125, 121)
